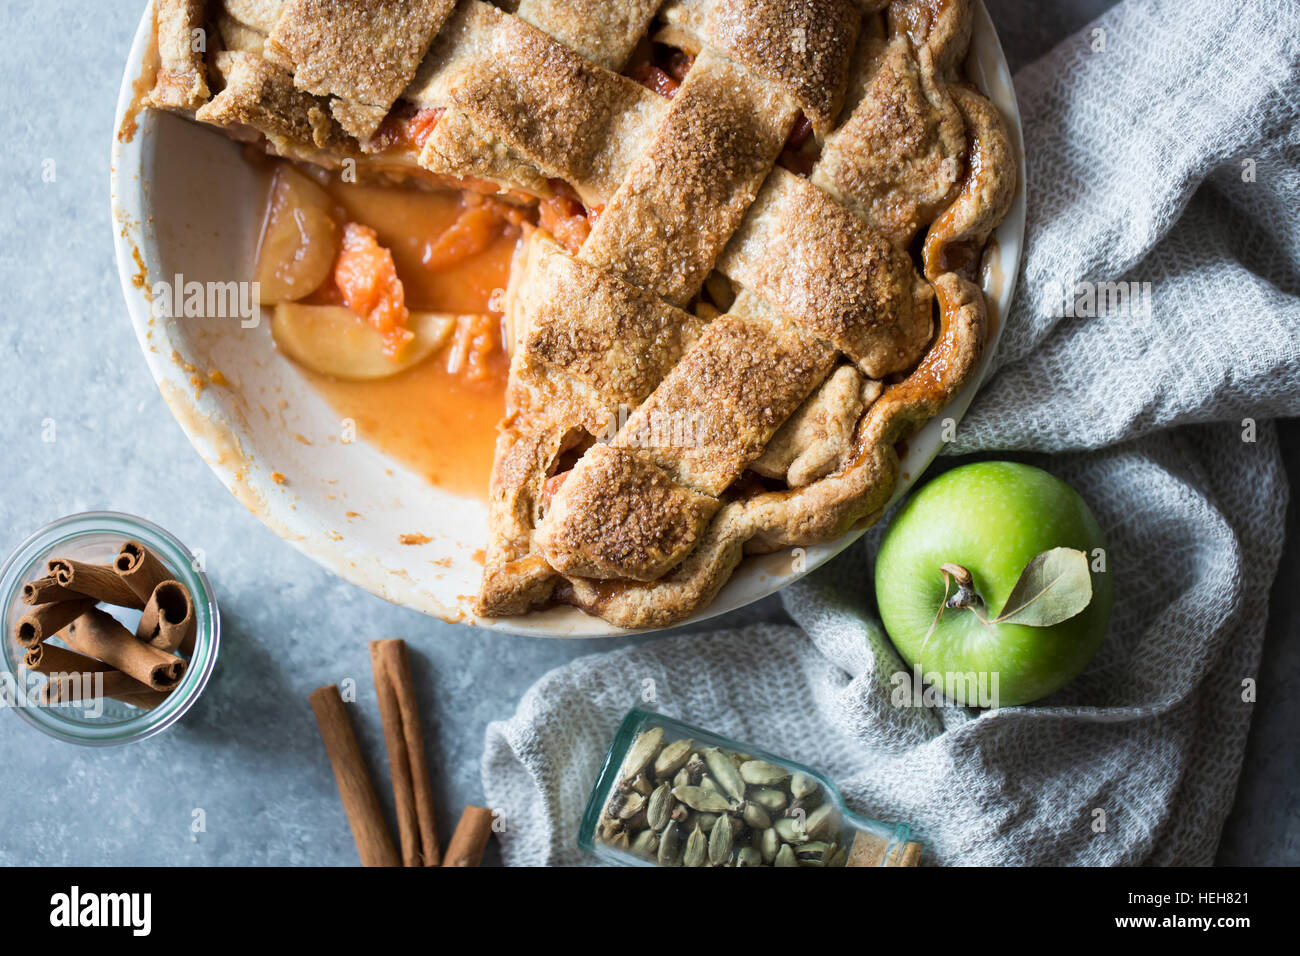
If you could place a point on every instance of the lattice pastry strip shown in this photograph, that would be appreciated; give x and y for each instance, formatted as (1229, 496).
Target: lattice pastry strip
(361, 53)
(552, 110)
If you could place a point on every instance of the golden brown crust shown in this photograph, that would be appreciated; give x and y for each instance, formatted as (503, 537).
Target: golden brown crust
(897, 157)
(819, 435)
(691, 585)
(669, 220)
(564, 115)
(239, 36)
(803, 47)
(260, 15)
(717, 409)
(611, 337)
(858, 492)
(823, 510)
(939, 30)
(957, 236)
(513, 577)
(456, 147)
(619, 516)
(181, 83)
(597, 30)
(825, 268)
(364, 52)
(259, 95)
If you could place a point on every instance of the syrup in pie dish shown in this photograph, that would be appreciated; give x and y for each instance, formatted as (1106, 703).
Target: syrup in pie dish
(737, 241)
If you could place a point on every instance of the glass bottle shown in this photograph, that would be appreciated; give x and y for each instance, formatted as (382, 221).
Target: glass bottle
(671, 794)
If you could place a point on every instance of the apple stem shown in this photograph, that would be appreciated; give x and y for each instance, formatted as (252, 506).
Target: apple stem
(966, 595)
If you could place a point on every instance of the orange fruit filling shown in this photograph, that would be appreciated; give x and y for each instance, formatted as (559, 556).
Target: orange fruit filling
(367, 278)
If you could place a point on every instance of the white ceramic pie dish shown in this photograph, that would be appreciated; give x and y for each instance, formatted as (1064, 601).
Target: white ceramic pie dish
(185, 203)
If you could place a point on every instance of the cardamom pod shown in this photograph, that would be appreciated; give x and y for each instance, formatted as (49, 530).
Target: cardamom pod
(706, 821)
(645, 843)
(791, 830)
(672, 758)
(643, 750)
(749, 857)
(609, 827)
(769, 845)
(642, 784)
(773, 801)
(697, 848)
(756, 816)
(725, 773)
(763, 774)
(660, 807)
(682, 778)
(721, 840)
(632, 805)
(805, 805)
(802, 785)
(785, 857)
(695, 768)
(670, 844)
(698, 798)
(823, 823)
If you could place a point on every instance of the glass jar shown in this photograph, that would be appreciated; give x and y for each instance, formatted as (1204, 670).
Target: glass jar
(95, 537)
(674, 795)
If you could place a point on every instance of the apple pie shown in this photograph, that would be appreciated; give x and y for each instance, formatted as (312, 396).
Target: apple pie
(747, 236)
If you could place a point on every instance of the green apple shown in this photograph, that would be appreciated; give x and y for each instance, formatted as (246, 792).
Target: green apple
(955, 554)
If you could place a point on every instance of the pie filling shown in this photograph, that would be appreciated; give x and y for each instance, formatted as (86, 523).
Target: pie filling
(707, 337)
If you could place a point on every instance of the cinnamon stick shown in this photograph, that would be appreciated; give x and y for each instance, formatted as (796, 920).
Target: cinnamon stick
(407, 764)
(46, 620)
(69, 686)
(66, 668)
(51, 659)
(168, 619)
(98, 634)
(46, 590)
(374, 843)
(470, 839)
(98, 581)
(140, 569)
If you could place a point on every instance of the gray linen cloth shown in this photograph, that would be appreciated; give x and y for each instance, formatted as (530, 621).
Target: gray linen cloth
(1163, 147)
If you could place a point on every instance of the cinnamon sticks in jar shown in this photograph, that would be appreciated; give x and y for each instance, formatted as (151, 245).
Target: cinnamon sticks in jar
(139, 668)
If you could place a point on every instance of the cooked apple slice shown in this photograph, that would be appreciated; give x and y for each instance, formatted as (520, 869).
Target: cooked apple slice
(334, 340)
(299, 238)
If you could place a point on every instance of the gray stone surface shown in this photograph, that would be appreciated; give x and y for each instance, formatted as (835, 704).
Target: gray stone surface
(249, 754)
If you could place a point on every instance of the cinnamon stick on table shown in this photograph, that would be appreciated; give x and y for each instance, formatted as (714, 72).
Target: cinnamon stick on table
(470, 839)
(98, 634)
(140, 569)
(46, 620)
(407, 763)
(355, 788)
(168, 619)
